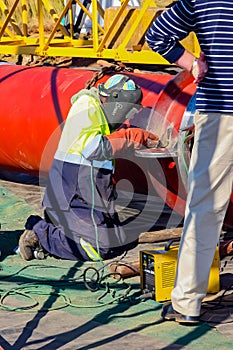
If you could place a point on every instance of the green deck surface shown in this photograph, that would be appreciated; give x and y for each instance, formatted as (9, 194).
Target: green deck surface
(46, 305)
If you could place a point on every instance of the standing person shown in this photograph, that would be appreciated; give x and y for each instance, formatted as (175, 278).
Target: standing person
(81, 222)
(211, 171)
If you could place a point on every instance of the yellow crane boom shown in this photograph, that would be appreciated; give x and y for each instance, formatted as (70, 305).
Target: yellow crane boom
(116, 33)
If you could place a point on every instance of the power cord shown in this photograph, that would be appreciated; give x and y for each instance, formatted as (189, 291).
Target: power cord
(94, 279)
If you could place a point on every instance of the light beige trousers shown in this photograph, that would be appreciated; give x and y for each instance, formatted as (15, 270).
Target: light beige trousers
(209, 188)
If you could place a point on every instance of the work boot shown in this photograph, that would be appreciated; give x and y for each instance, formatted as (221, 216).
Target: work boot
(169, 314)
(32, 221)
(28, 243)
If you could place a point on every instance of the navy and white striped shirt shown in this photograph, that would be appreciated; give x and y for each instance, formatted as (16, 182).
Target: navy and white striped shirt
(212, 21)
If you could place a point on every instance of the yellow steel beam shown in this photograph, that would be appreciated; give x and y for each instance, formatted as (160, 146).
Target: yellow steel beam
(136, 22)
(56, 26)
(99, 10)
(25, 17)
(41, 25)
(95, 25)
(5, 10)
(8, 32)
(114, 22)
(8, 17)
(55, 16)
(121, 39)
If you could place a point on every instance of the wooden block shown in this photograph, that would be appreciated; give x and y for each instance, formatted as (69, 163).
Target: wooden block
(160, 235)
(126, 269)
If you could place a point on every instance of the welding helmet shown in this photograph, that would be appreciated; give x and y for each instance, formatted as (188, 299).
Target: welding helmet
(123, 99)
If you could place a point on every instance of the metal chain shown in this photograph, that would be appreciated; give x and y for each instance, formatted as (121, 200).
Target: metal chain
(107, 69)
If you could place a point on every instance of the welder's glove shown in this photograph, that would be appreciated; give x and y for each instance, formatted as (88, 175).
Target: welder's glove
(129, 139)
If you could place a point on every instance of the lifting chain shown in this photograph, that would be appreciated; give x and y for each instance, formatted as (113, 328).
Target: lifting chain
(107, 68)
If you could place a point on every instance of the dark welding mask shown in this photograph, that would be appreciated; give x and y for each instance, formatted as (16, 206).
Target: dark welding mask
(123, 99)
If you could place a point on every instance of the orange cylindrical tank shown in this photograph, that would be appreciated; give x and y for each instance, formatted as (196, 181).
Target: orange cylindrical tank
(34, 103)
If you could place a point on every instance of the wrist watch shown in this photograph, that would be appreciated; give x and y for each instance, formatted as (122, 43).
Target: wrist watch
(194, 69)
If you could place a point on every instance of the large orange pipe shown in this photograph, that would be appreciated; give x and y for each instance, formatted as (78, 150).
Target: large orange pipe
(34, 102)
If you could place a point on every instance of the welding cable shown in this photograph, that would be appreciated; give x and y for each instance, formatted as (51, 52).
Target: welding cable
(119, 261)
(29, 290)
(97, 281)
(67, 302)
(126, 264)
(218, 303)
(45, 280)
(92, 283)
(18, 308)
(27, 293)
(114, 298)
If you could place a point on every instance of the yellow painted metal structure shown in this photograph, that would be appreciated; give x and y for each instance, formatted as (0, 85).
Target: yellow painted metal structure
(121, 38)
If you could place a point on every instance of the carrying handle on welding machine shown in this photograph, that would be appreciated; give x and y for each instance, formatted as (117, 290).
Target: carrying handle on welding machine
(169, 243)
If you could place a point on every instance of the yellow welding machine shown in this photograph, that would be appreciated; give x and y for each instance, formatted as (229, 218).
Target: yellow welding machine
(158, 271)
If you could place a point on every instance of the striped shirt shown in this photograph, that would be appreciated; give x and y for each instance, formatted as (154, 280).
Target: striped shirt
(212, 21)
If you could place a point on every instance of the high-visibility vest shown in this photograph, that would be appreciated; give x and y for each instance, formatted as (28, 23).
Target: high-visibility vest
(84, 122)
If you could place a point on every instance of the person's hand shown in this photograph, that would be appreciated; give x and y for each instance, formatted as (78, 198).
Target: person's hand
(130, 138)
(138, 137)
(199, 68)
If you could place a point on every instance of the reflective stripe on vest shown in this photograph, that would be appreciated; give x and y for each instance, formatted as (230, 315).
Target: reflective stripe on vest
(76, 159)
(90, 251)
